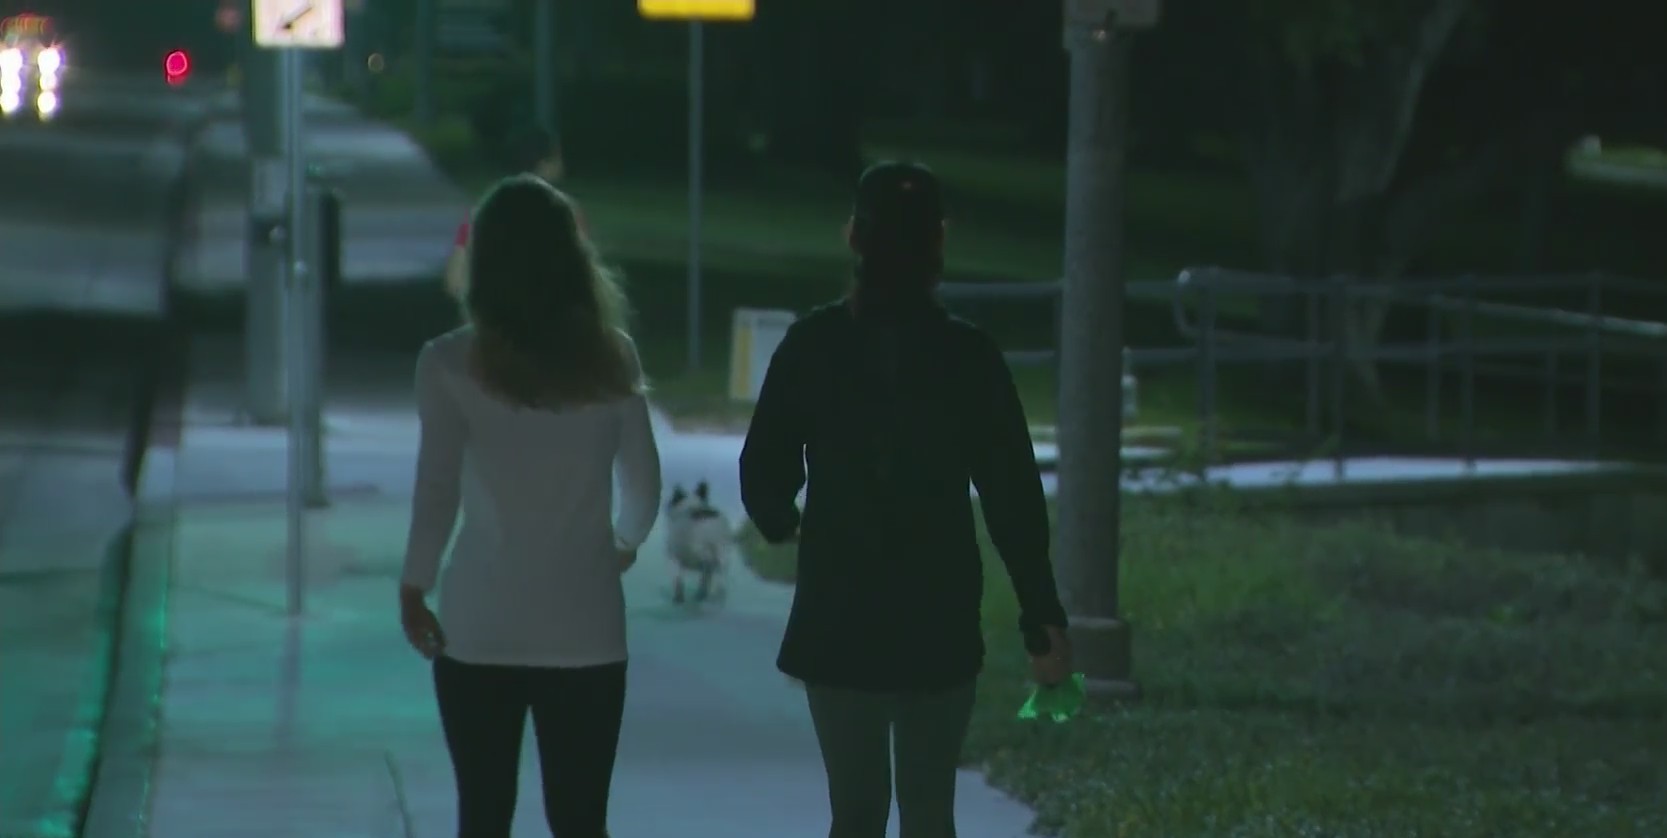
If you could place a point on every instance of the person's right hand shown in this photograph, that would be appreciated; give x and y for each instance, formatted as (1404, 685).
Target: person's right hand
(626, 559)
(1052, 668)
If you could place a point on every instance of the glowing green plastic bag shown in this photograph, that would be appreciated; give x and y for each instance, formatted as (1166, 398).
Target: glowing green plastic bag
(1058, 703)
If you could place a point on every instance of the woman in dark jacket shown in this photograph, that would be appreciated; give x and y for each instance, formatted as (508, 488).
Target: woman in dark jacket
(884, 408)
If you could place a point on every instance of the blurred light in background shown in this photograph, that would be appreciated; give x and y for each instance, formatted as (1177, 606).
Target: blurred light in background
(376, 63)
(11, 61)
(50, 60)
(176, 66)
(10, 101)
(46, 104)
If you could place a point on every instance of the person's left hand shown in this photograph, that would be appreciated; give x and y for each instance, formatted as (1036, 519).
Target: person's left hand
(1051, 668)
(422, 628)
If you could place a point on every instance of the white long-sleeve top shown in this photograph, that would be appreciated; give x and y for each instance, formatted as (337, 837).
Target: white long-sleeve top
(534, 576)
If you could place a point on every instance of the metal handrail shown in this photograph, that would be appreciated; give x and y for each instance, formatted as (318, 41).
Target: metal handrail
(1212, 345)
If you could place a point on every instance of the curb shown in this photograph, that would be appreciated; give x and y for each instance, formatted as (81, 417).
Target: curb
(119, 806)
(116, 786)
(78, 767)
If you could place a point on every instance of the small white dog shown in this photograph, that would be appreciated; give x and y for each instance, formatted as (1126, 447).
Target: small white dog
(700, 541)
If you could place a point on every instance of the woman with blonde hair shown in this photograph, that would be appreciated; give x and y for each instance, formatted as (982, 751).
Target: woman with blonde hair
(529, 416)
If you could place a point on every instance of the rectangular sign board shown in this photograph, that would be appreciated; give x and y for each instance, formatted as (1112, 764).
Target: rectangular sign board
(299, 24)
(714, 10)
(1120, 14)
(752, 343)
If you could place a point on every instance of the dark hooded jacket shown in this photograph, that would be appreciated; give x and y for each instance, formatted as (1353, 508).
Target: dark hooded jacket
(892, 415)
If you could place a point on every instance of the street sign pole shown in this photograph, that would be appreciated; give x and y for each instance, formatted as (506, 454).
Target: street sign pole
(292, 27)
(297, 329)
(263, 330)
(696, 13)
(697, 164)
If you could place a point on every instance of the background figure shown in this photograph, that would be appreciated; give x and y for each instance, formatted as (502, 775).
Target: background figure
(532, 150)
(887, 405)
(544, 393)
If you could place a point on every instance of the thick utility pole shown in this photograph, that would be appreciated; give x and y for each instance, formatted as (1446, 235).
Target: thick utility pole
(1091, 339)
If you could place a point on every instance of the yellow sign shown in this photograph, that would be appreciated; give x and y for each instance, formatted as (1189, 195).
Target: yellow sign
(720, 10)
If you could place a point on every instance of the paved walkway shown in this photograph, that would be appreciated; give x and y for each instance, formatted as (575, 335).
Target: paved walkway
(326, 726)
(63, 432)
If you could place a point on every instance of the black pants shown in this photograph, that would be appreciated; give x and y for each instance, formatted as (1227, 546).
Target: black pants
(576, 716)
(859, 732)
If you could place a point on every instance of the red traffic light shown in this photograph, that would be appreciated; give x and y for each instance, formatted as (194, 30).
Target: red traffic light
(177, 64)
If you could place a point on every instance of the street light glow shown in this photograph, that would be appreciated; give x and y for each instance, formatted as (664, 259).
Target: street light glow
(11, 61)
(46, 104)
(50, 60)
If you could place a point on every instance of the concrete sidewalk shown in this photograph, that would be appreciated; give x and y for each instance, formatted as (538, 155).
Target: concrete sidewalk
(65, 423)
(326, 726)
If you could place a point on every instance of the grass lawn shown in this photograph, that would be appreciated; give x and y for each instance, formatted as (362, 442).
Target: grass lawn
(1344, 681)
(769, 249)
(776, 243)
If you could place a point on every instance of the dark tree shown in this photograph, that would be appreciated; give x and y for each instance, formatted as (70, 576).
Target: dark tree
(813, 53)
(1367, 127)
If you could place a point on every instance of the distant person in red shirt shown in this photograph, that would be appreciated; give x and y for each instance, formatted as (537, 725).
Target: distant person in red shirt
(538, 152)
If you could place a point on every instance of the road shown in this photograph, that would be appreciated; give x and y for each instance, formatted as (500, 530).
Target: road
(83, 199)
(130, 200)
(84, 231)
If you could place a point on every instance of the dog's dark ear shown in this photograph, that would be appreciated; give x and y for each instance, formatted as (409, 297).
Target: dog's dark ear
(702, 491)
(677, 495)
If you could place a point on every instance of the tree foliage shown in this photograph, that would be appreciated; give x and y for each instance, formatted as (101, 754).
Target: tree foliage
(1366, 127)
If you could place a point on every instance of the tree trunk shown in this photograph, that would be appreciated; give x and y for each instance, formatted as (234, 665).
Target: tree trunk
(1324, 142)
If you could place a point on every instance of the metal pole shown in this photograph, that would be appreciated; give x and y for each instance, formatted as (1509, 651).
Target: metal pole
(424, 49)
(1207, 371)
(263, 328)
(1467, 374)
(1313, 363)
(295, 333)
(544, 58)
(1594, 364)
(697, 155)
(1090, 360)
(1339, 373)
(1433, 362)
